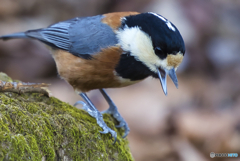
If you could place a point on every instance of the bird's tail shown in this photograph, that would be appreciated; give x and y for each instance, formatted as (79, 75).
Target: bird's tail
(14, 36)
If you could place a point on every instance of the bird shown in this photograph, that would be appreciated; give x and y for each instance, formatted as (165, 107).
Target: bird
(111, 50)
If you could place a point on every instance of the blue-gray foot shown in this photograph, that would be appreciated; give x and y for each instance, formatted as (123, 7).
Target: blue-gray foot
(114, 112)
(91, 109)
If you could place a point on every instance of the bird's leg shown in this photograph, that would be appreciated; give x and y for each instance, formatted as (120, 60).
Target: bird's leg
(114, 111)
(91, 109)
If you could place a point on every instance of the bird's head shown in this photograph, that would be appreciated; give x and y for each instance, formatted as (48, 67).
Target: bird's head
(155, 43)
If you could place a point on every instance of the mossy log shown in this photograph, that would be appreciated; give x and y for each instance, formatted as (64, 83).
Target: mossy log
(37, 127)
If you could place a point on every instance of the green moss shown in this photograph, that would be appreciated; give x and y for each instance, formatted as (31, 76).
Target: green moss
(4, 77)
(33, 127)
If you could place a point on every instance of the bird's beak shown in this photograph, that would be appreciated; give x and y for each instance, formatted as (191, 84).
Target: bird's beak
(162, 74)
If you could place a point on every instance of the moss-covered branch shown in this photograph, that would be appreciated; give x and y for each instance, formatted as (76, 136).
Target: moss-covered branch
(36, 127)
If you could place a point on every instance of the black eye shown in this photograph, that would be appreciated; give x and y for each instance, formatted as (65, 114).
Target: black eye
(160, 53)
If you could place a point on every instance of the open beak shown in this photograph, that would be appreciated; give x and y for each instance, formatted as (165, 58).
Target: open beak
(162, 74)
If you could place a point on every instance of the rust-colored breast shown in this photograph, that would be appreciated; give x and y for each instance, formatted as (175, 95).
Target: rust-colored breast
(85, 75)
(114, 19)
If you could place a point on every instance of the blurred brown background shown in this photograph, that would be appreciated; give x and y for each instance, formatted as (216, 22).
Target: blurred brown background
(202, 116)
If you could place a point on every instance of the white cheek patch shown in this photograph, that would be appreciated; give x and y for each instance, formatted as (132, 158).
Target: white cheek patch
(140, 46)
(168, 23)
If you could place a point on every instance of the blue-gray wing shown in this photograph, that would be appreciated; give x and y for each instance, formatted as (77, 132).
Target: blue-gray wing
(82, 37)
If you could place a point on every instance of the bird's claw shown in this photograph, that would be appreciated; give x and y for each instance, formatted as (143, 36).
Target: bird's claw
(98, 116)
(80, 102)
(105, 128)
(125, 127)
(122, 123)
(113, 133)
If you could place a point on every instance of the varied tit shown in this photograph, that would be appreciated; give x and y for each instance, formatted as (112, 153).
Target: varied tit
(112, 50)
